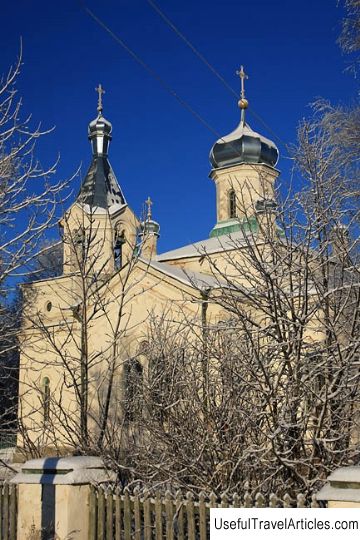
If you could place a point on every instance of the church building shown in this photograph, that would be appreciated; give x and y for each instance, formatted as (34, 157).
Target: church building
(83, 331)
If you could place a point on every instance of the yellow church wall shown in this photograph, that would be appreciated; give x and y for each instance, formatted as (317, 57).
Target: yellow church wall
(37, 365)
(100, 229)
(134, 294)
(148, 292)
(250, 182)
(46, 313)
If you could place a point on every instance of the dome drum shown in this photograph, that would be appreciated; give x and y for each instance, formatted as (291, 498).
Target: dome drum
(99, 134)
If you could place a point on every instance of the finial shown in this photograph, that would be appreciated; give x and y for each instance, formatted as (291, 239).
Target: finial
(100, 91)
(149, 204)
(243, 102)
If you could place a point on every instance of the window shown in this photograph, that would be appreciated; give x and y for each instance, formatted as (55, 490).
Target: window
(118, 248)
(143, 347)
(79, 248)
(164, 369)
(46, 399)
(232, 204)
(133, 389)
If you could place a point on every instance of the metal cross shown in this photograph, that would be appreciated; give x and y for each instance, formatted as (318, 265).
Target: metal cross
(100, 91)
(149, 204)
(242, 76)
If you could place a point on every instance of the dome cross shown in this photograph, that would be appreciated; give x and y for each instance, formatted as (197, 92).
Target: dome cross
(241, 73)
(100, 92)
(243, 102)
(149, 204)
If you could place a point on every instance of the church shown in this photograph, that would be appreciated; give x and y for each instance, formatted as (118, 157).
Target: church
(84, 331)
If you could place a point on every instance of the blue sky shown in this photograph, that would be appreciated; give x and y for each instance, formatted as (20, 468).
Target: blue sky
(159, 149)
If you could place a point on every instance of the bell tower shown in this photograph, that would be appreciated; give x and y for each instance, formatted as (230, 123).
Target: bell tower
(243, 169)
(100, 229)
(150, 232)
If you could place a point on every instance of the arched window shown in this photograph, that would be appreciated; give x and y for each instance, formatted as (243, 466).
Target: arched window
(143, 347)
(133, 389)
(232, 204)
(79, 247)
(164, 369)
(118, 249)
(46, 399)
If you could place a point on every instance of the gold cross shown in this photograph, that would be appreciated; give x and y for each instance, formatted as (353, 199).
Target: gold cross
(149, 204)
(242, 76)
(100, 91)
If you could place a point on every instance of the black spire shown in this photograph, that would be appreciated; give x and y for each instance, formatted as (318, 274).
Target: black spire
(100, 187)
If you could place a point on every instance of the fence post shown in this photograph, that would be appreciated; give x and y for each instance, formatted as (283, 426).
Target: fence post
(54, 496)
(190, 516)
(137, 514)
(158, 517)
(147, 516)
(342, 489)
(93, 510)
(6, 512)
(109, 515)
(12, 511)
(180, 515)
(203, 516)
(127, 515)
(101, 514)
(117, 513)
(169, 508)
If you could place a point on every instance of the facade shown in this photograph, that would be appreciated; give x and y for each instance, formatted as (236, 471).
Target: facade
(82, 328)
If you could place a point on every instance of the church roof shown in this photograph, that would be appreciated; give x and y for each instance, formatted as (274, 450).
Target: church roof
(100, 189)
(243, 145)
(188, 277)
(210, 245)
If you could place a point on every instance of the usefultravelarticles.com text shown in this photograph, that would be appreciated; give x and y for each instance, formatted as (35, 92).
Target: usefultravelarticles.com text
(268, 523)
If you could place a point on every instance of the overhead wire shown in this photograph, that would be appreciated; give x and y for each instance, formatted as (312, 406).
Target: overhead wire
(151, 71)
(155, 75)
(192, 47)
(202, 58)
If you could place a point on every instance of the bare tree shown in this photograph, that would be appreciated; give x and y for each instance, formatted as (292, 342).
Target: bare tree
(28, 201)
(349, 39)
(77, 336)
(277, 401)
(270, 393)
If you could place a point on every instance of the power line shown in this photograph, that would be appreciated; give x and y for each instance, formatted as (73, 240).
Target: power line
(201, 57)
(192, 47)
(151, 71)
(156, 76)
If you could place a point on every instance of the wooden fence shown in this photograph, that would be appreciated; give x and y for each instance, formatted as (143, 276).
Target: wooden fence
(145, 516)
(8, 511)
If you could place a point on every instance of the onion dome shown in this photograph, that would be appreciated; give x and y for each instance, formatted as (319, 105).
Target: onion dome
(149, 227)
(100, 189)
(243, 145)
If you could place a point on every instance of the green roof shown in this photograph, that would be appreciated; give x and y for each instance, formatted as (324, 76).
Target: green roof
(235, 225)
